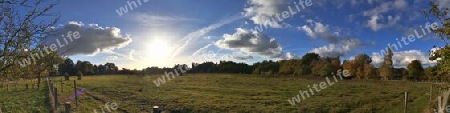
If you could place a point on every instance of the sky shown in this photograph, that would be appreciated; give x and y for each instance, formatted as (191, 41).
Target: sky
(167, 32)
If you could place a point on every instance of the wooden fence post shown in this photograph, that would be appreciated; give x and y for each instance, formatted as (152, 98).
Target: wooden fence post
(431, 91)
(26, 86)
(56, 97)
(75, 91)
(62, 90)
(155, 109)
(67, 107)
(406, 102)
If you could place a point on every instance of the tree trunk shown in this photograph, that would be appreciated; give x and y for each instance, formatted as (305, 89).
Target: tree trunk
(445, 95)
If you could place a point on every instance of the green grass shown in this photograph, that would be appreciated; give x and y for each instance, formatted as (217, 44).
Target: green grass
(22, 100)
(244, 93)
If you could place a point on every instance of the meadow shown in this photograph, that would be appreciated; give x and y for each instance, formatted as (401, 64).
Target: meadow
(21, 100)
(203, 93)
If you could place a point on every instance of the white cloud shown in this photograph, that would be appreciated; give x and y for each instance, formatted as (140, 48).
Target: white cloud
(93, 39)
(201, 32)
(290, 55)
(308, 31)
(158, 20)
(403, 58)
(259, 11)
(375, 25)
(318, 29)
(111, 58)
(251, 42)
(376, 14)
(339, 49)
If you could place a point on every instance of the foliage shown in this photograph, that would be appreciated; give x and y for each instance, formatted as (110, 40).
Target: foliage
(442, 29)
(79, 75)
(24, 26)
(415, 70)
(66, 76)
(386, 69)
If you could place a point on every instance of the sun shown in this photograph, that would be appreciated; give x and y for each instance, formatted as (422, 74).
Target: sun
(158, 50)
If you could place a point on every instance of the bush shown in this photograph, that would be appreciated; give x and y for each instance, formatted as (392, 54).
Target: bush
(79, 75)
(66, 76)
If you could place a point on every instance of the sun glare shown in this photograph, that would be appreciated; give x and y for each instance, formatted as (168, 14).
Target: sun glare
(158, 50)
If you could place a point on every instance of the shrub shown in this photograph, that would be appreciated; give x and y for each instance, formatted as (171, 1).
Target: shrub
(66, 76)
(79, 75)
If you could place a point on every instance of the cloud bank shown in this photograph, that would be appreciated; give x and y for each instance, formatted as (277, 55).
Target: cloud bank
(93, 39)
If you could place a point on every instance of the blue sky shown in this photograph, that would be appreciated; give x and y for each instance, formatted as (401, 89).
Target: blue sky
(167, 32)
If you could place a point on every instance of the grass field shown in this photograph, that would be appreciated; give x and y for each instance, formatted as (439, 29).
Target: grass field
(22, 100)
(244, 93)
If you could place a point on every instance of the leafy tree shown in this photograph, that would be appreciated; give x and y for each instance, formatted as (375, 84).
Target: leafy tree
(326, 70)
(267, 66)
(45, 64)
(404, 72)
(442, 55)
(316, 67)
(362, 66)
(335, 64)
(415, 70)
(386, 69)
(24, 25)
(79, 75)
(349, 65)
(369, 71)
(307, 59)
(430, 72)
(66, 76)
(67, 67)
(288, 67)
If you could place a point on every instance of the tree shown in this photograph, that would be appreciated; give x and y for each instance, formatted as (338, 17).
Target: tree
(415, 70)
(363, 67)
(404, 72)
(307, 59)
(79, 75)
(369, 71)
(288, 67)
(24, 25)
(386, 69)
(349, 65)
(45, 64)
(66, 76)
(442, 29)
(326, 70)
(67, 67)
(430, 72)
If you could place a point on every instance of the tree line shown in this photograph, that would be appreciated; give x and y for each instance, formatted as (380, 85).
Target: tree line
(311, 64)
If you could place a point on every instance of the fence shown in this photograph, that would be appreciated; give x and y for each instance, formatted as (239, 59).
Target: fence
(15, 85)
(54, 96)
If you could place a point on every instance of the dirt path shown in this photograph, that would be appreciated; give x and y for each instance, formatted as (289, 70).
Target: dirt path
(101, 100)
